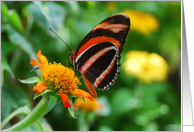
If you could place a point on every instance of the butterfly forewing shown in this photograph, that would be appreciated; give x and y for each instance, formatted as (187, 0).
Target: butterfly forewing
(98, 55)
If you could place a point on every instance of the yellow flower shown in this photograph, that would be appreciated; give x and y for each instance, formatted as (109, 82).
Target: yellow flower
(142, 22)
(146, 67)
(58, 78)
(88, 105)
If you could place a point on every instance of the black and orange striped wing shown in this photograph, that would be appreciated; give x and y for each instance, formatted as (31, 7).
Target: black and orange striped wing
(98, 55)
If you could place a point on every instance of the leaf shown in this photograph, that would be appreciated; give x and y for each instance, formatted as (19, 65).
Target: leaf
(30, 80)
(25, 110)
(17, 39)
(11, 16)
(105, 128)
(52, 102)
(123, 101)
(5, 67)
(36, 95)
(73, 4)
(71, 109)
(56, 15)
(14, 20)
(3, 8)
(11, 99)
(45, 125)
(106, 109)
(7, 47)
(44, 9)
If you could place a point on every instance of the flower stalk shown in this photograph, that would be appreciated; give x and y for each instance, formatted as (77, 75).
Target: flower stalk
(39, 111)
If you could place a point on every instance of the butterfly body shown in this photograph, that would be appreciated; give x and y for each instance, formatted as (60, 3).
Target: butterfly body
(98, 55)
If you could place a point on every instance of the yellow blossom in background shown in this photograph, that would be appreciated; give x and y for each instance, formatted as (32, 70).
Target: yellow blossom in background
(142, 22)
(88, 105)
(146, 67)
(58, 78)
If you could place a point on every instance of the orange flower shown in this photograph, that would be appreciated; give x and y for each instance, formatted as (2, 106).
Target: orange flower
(58, 78)
(43, 60)
(40, 87)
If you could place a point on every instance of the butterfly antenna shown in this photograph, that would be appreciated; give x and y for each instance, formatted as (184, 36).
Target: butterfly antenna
(71, 36)
(59, 37)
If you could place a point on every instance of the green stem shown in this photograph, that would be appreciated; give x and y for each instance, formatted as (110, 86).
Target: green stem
(37, 113)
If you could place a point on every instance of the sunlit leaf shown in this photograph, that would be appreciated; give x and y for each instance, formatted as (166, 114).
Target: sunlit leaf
(30, 80)
(14, 20)
(11, 16)
(3, 8)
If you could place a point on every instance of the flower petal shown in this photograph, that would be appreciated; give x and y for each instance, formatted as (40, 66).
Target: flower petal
(87, 106)
(40, 87)
(43, 60)
(65, 100)
(34, 62)
(82, 93)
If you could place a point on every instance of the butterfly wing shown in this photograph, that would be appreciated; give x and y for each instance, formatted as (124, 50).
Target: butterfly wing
(98, 55)
(90, 87)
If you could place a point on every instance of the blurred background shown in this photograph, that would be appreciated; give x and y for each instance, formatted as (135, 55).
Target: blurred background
(147, 94)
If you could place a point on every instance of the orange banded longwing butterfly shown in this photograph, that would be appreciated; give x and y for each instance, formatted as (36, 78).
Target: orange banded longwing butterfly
(98, 55)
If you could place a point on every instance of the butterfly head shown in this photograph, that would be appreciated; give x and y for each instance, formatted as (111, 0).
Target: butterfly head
(71, 54)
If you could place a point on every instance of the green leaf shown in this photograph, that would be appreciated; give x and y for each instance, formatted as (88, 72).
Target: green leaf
(52, 102)
(44, 9)
(11, 16)
(71, 109)
(17, 39)
(53, 19)
(106, 109)
(3, 8)
(123, 101)
(7, 47)
(5, 67)
(73, 4)
(11, 99)
(14, 20)
(44, 124)
(25, 110)
(105, 128)
(36, 95)
(30, 80)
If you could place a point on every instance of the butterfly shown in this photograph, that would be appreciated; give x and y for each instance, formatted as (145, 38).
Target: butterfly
(97, 57)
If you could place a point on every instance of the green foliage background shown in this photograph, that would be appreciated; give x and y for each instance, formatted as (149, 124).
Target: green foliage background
(133, 105)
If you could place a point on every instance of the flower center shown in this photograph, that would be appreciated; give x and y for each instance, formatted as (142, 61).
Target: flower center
(60, 77)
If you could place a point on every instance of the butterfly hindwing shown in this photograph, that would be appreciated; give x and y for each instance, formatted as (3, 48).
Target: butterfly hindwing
(90, 87)
(98, 55)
